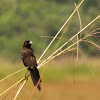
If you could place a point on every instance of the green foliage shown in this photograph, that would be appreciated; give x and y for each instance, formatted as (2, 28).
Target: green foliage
(22, 20)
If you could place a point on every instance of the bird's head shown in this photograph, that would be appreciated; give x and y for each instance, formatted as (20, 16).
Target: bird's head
(27, 44)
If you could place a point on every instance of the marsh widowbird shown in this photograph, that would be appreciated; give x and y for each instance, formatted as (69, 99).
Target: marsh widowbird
(29, 60)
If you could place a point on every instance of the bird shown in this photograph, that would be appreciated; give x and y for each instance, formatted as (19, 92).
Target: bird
(29, 60)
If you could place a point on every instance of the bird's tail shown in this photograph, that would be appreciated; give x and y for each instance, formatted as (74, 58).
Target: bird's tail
(35, 77)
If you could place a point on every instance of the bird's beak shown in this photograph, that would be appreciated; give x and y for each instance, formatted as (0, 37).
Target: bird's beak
(30, 42)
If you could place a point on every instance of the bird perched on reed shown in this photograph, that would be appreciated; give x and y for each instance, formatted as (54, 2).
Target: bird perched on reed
(29, 60)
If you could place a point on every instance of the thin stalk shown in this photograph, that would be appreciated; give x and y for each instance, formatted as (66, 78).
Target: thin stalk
(10, 91)
(92, 43)
(38, 82)
(53, 37)
(80, 33)
(52, 57)
(70, 40)
(12, 86)
(59, 31)
(21, 86)
(13, 74)
(73, 68)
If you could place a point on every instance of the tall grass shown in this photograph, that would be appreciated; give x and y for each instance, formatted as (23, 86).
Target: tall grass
(57, 52)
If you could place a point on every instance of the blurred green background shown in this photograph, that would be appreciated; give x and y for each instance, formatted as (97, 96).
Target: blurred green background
(22, 20)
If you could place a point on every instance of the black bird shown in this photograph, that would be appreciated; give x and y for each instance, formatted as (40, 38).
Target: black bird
(29, 60)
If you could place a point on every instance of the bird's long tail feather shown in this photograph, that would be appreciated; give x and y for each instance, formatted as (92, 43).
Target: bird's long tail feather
(35, 77)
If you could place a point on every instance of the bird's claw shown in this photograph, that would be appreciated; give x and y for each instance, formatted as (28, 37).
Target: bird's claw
(26, 78)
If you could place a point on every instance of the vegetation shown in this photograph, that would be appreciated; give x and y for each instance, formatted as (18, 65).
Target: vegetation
(60, 69)
(57, 81)
(22, 20)
(29, 19)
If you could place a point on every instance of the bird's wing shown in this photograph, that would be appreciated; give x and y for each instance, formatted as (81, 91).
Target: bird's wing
(29, 58)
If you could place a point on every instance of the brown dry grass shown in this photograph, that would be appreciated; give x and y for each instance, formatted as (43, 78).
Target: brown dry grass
(85, 88)
(82, 90)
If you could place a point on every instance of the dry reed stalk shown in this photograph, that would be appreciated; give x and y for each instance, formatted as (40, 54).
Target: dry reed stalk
(38, 81)
(89, 41)
(12, 86)
(83, 38)
(94, 77)
(20, 88)
(73, 68)
(95, 30)
(46, 65)
(13, 74)
(60, 30)
(42, 76)
(50, 42)
(80, 33)
(10, 91)
(60, 38)
(53, 37)
(69, 40)
(52, 55)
